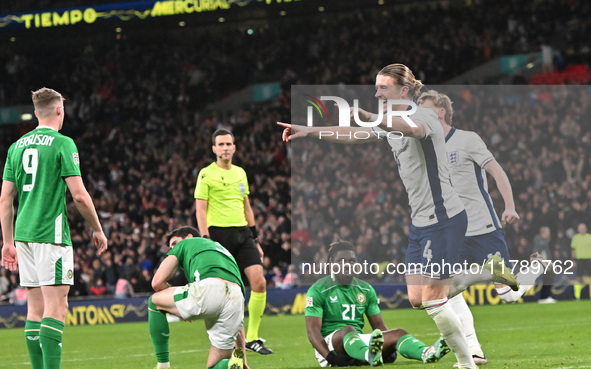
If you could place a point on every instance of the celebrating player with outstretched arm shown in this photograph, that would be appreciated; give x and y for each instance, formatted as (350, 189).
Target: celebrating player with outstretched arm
(439, 220)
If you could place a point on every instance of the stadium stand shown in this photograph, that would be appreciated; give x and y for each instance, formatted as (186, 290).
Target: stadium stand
(137, 108)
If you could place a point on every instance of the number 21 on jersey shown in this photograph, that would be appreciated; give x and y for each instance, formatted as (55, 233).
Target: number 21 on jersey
(348, 312)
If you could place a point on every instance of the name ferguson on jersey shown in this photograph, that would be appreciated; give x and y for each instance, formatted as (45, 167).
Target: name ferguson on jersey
(43, 140)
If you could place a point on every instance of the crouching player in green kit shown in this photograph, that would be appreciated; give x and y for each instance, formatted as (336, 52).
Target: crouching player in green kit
(334, 320)
(215, 294)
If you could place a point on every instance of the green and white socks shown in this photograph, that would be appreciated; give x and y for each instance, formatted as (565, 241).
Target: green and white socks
(51, 333)
(32, 328)
(159, 333)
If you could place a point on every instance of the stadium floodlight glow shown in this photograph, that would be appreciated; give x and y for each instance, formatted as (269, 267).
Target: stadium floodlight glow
(182, 23)
(26, 116)
(283, 13)
(530, 65)
(250, 32)
(380, 2)
(321, 9)
(12, 39)
(118, 29)
(221, 19)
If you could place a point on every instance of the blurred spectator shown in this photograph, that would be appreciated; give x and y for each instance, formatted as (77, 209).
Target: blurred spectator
(123, 289)
(5, 285)
(98, 288)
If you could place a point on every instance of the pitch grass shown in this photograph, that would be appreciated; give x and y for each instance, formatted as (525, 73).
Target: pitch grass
(527, 336)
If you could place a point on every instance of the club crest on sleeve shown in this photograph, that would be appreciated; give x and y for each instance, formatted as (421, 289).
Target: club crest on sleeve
(76, 158)
(309, 301)
(453, 157)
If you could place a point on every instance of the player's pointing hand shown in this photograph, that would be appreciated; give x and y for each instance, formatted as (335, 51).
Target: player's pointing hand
(292, 131)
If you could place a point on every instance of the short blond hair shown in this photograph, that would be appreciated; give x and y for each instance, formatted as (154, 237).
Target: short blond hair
(441, 101)
(45, 99)
(403, 76)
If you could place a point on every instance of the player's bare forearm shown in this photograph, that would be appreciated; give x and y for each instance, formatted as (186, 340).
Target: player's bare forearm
(83, 202)
(494, 168)
(7, 197)
(397, 124)
(343, 135)
(248, 214)
(160, 286)
(9, 255)
(313, 327)
(201, 215)
(377, 322)
(165, 272)
(241, 343)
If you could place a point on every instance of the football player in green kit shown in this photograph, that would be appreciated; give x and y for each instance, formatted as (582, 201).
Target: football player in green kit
(40, 166)
(215, 294)
(335, 309)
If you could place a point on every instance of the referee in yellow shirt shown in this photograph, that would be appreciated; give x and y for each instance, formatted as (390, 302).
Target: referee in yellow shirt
(224, 215)
(581, 253)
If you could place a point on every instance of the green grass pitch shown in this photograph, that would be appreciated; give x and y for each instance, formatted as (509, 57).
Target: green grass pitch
(527, 336)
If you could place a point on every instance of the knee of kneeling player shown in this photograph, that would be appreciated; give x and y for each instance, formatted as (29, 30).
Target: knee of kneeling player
(348, 329)
(416, 303)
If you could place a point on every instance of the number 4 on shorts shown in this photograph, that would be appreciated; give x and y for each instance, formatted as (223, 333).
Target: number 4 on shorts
(428, 253)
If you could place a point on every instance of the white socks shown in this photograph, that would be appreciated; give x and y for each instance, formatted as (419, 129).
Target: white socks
(451, 329)
(463, 311)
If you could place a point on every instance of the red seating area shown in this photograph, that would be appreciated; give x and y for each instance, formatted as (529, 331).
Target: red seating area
(573, 74)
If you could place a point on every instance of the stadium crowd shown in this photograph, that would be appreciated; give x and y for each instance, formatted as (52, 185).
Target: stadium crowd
(137, 111)
(540, 138)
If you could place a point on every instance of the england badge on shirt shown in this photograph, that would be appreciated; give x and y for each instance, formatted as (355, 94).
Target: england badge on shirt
(242, 188)
(453, 157)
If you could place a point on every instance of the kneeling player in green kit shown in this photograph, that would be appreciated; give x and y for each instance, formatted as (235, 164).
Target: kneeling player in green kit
(334, 320)
(215, 294)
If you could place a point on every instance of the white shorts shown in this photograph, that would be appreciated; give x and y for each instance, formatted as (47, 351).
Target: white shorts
(218, 303)
(45, 264)
(328, 339)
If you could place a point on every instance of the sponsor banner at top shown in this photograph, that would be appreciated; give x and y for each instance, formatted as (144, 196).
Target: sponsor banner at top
(122, 11)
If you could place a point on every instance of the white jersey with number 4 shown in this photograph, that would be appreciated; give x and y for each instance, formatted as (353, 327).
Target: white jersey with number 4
(423, 170)
(466, 156)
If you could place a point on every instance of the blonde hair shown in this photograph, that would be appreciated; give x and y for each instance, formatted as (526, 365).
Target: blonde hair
(441, 101)
(45, 99)
(403, 76)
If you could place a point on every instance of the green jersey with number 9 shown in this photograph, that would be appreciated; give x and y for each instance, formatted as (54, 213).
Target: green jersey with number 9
(339, 306)
(201, 258)
(37, 164)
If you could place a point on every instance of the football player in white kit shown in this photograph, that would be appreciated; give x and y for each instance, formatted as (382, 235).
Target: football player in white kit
(469, 160)
(439, 220)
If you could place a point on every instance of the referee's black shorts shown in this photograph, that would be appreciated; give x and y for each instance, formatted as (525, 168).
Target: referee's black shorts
(241, 244)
